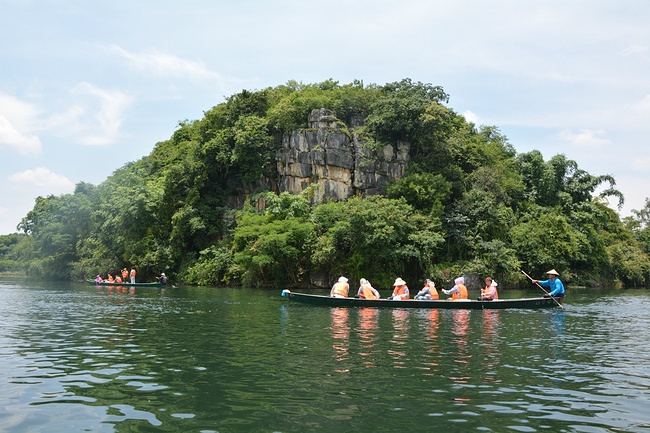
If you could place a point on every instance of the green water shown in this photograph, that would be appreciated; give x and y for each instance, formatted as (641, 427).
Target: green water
(78, 358)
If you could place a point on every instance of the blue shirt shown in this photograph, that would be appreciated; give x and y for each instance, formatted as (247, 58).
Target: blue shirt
(556, 286)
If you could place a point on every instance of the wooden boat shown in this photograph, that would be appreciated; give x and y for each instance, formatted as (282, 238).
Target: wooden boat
(526, 303)
(106, 283)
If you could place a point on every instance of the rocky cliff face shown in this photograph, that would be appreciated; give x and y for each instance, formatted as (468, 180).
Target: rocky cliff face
(336, 159)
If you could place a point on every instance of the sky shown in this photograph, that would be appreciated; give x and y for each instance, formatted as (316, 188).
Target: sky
(88, 86)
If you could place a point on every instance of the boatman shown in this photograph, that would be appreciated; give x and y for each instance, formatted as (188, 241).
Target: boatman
(340, 288)
(459, 291)
(132, 275)
(553, 283)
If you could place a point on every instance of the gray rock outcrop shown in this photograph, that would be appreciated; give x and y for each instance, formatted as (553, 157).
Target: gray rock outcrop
(336, 159)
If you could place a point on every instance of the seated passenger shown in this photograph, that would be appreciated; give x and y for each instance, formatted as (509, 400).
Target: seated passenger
(490, 291)
(340, 288)
(459, 291)
(401, 291)
(366, 290)
(428, 291)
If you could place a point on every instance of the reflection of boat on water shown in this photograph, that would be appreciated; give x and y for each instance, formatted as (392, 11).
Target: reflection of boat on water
(106, 283)
(527, 303)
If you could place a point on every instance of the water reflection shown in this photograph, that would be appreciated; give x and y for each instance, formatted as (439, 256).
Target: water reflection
(400, 337)
(367, 329)
(340, 331)
(490, 344)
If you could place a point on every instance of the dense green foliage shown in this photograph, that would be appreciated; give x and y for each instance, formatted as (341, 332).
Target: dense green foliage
(199, 207)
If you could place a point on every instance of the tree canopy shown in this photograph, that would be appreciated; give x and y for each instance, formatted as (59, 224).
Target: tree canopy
(203, 209)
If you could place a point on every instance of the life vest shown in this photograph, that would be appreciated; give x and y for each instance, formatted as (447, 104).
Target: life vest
(366, 292)
(118, 279)
(125, 274)
(110, 278)
(490, 292)
(461, 294)
(132, 273)
(340, 289)
(401, 291)
(433, 292)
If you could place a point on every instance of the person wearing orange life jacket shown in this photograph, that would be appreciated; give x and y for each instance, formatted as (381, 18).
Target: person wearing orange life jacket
(118, 279)
(125, 274)
(401, 290)
(132, 275)
(459, 291)
(340, 288)
(428, 292)
(366, 290)
(110, 278)
(490, 291)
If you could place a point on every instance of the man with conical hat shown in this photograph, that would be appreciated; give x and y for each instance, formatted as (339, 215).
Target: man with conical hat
(553, 283)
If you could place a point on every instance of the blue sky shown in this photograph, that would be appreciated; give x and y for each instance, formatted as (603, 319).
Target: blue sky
(87, 86)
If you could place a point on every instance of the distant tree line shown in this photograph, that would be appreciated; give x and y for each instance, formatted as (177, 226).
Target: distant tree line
(469, 203)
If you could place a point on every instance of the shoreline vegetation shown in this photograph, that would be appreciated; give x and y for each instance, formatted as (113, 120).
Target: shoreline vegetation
(208, 206)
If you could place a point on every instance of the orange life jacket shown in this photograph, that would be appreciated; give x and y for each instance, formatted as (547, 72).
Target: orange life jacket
(132, 273)
(433, 292)
(490, 292)
(461, 294)
(340, 289)
(125, 274)
(401, 291)
(110, 278)
(118, 279)
(366, 292)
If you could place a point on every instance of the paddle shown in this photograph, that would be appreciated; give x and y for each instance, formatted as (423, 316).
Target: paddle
(537, 284)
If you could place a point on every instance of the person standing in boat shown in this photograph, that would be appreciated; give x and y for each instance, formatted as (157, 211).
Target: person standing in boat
(125, 275)
(132, 275)
(459, 291)
(490, 291)
(366, 290)
(553, 283)
(401, 290)
(340, 288)
(428, 291)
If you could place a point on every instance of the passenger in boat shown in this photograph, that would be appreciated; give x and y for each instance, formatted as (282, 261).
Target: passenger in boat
(401, 290)
(132, 276)
(428, 291)
(125, 274)
(110, 278)
(366, 290)
(459, 291)
(162, 279)
(118, 279)
(98, 279)
(553, 283)
(490, 291)
(340, 288)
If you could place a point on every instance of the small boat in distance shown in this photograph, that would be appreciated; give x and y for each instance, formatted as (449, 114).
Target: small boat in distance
(499, 304)
(106, 283)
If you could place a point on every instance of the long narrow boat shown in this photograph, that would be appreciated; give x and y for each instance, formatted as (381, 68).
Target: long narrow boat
(526, 303)
(105, 283)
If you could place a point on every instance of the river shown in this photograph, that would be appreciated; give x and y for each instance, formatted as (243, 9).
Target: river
(76, 358)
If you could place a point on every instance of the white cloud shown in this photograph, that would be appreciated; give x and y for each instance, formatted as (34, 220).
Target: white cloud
(156, 63)
(635, 51)
(95, 116)
(643, 106)
(17, 122)
(641, 163)
(471, 117)
(3, 211)
(584, 138)
(42, 180)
